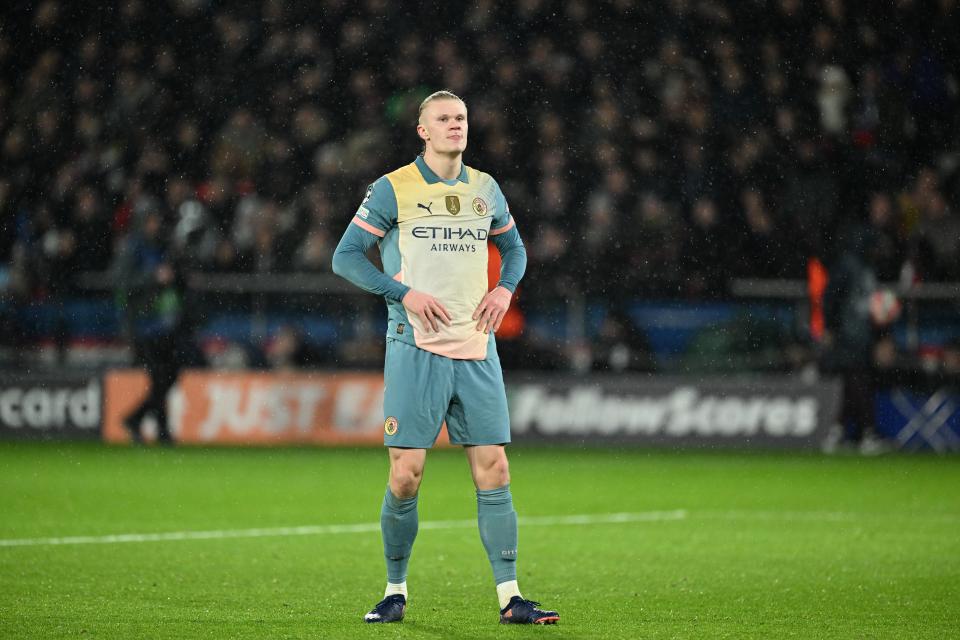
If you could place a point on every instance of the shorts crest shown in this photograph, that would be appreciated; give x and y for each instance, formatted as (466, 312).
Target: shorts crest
(390, 426)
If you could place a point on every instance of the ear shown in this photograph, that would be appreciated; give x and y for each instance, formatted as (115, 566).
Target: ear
(422, 132)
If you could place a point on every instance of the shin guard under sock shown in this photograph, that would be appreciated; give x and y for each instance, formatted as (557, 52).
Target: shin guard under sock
(498, 530)
(398, 523)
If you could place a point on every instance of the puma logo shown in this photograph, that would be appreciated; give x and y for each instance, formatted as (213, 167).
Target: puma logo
(425, 206)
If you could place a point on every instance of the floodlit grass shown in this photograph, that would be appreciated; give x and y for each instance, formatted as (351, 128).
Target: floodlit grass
(766, 545)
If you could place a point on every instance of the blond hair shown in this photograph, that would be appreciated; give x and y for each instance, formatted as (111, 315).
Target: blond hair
(437, 95)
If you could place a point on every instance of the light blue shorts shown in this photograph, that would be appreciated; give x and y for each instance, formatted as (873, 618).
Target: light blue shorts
(422, 390)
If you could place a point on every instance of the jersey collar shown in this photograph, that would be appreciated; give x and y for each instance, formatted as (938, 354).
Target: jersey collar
(431, 178)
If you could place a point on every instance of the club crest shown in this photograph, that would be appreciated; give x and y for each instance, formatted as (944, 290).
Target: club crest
(479, 207)
(390, 426)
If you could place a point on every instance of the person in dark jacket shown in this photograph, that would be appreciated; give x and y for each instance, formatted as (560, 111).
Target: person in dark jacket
(152, 292)
(850, 338)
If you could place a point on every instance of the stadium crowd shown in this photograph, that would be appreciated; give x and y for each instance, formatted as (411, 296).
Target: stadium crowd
(646, 148)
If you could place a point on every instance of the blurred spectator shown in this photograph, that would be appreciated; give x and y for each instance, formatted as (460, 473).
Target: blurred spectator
(195, 239)
(619, 347)
(832, 98)
(937, 236)
(760, 232)
(315, 252)
(706, 245)
(888, 245)
(654, 247)
(289, 349)
(951, 358)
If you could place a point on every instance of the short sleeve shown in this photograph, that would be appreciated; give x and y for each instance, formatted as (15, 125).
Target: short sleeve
(502, 221)
(378, 211)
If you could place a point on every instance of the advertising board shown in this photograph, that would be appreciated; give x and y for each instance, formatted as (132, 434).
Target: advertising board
(50, 406)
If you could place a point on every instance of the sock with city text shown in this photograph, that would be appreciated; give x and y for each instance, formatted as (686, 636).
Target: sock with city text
(399, 524)
(498, 530)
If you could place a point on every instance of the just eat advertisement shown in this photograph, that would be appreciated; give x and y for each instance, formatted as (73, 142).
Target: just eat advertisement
(256, 408)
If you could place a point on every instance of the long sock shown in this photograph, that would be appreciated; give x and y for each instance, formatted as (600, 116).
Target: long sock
(498, 531)
(398, 523)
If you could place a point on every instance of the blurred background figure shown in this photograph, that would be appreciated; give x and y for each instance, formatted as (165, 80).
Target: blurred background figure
(288, 350)
(851, 341)
(619, 348)
(152, 292)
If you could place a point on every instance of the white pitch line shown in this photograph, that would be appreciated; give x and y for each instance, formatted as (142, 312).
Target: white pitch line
(822, 516)
(312, 530)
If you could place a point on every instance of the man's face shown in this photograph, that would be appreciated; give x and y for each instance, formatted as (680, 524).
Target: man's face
(443, 126)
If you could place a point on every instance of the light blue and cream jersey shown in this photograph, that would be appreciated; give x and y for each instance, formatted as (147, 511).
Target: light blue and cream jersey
(433, 238)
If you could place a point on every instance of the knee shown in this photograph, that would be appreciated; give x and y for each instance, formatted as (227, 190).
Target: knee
(405, 480)
(494, 473)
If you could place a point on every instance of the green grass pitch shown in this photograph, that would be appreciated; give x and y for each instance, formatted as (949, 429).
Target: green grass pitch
(724, 545)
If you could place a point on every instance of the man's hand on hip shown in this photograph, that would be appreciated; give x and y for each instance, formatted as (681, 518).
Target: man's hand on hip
(492, 308)
(427, 308)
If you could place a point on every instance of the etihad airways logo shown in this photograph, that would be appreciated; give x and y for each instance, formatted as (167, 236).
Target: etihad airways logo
(449, 233)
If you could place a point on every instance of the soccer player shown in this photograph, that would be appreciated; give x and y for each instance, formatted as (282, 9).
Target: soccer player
(431, 220)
